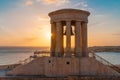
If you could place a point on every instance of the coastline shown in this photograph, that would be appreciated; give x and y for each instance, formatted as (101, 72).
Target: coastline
(105, 48)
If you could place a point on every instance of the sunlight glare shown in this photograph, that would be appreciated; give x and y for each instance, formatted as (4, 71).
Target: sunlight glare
(48, 35)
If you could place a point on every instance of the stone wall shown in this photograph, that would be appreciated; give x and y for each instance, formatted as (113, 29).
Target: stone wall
(63, 66)
(93, 78)
(35, 67)
(27, 78)
(94, 67)
(76, 66)
(67, 78)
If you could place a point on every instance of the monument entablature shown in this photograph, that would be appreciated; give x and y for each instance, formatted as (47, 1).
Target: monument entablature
(69, 15)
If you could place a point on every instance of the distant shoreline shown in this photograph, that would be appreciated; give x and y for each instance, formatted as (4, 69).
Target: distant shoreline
(94, 48)
(105, 49)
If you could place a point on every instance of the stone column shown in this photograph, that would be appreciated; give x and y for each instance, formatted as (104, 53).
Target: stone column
(84, 40)
(78, 39)
(59, 39)
(68, 38)
(53, 39)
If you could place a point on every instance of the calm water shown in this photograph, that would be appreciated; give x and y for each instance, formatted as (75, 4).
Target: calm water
(11, 55)
(112, 57)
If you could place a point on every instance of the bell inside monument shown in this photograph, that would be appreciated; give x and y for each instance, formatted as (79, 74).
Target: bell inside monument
(71, 30)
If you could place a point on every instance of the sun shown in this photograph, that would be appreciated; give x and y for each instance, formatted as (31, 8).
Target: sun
(48, 35)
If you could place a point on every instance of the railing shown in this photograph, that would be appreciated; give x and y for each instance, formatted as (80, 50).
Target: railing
(41, 53)
(36, 54)
(107, 63)
(27, 60)
(47, 53)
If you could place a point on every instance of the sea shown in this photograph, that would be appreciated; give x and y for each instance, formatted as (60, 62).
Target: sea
(13, 55)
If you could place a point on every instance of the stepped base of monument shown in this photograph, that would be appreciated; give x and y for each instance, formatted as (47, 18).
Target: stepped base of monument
(80, 77)
(63, 67)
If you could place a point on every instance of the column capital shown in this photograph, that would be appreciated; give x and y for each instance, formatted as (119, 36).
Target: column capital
(55, 21)
(58, 21)
(68, 20)
(84, 22)
(58, 24)
(78, 21)
(68, 23)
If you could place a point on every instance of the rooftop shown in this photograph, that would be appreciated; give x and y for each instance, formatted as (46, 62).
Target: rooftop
(68, 11)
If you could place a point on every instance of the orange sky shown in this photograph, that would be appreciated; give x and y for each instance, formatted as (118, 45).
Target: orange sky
(26, 22)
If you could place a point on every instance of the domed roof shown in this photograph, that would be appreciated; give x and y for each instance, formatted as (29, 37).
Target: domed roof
(69, 11)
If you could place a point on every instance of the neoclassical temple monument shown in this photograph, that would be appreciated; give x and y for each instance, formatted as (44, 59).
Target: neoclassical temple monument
(63, 61)
(68, 19)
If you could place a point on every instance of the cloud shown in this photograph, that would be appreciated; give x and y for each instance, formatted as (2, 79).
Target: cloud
(46, 2)
(97, 20)
(95, 24)
(29, 3)
(83, 4)
(43, 19)
(56, 2)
